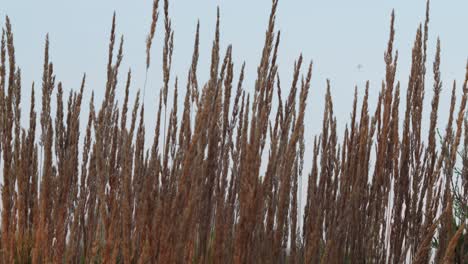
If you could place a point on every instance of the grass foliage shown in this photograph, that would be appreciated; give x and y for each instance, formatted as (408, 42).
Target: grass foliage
(378, 192)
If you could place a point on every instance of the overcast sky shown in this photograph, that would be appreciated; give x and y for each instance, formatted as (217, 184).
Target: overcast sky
(337, 35)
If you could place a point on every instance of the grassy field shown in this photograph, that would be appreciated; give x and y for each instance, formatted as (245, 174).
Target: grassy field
(378, 192)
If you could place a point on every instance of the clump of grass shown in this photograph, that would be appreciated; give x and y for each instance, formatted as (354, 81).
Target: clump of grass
(375, 193)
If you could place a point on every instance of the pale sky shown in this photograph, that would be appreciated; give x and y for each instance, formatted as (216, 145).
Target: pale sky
(337, 35)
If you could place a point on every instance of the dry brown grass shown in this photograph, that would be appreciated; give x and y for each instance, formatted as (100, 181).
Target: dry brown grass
(376, 193)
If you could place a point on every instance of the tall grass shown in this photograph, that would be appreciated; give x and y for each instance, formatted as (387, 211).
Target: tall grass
(377, 192)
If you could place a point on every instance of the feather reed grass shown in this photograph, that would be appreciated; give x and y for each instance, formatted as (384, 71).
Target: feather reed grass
(376, 192)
